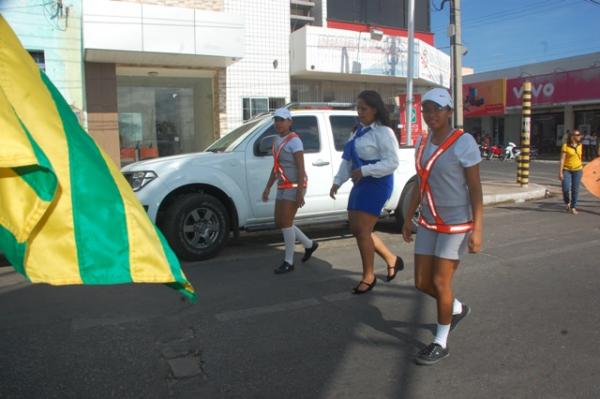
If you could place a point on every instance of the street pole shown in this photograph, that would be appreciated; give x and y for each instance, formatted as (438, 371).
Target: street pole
(457, 53)
(409, 71)
(523, 159)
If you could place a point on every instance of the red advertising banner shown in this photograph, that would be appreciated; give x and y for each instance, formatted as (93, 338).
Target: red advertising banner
(556, 88)
(417, 126)
(484, 98)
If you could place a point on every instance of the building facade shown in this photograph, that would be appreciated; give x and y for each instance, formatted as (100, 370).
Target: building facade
(164, 77)
(51, 32)
(565, 96)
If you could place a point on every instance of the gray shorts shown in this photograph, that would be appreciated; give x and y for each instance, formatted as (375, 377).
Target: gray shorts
(288, 194)
(441, 245)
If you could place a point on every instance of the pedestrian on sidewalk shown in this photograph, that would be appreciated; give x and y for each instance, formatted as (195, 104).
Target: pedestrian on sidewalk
(594, 145)
(370, 158)
(586, 141)
(450, 198)
(571, 170)
(288, 170)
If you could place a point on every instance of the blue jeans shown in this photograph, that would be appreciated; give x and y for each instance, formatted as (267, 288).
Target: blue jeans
(570, 185)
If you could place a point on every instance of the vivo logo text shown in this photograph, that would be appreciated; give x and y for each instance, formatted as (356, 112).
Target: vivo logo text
(547, 89)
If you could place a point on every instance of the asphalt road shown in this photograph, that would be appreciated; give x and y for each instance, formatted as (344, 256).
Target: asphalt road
(541, 172)
(533, 331)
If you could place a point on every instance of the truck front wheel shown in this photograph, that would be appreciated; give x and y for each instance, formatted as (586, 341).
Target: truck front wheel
(196, 226)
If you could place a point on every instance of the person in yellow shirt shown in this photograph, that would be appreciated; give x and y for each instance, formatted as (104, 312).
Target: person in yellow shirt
(571, 170)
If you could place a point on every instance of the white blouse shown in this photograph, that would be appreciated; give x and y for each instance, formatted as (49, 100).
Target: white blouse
(379, 143)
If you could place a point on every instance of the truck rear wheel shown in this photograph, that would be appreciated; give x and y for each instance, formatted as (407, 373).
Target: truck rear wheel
(196, 226)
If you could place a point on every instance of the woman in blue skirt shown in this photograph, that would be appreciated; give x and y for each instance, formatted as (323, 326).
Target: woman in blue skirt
(370, 158)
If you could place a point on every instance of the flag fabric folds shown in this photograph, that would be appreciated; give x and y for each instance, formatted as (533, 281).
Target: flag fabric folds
(67, 215)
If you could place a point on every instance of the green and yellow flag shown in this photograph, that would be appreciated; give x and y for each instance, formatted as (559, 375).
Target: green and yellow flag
(67, 215)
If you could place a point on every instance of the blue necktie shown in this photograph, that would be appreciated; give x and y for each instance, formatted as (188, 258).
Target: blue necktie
(349, 153)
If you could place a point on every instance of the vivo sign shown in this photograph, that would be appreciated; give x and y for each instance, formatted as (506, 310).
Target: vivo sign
(545, 89)
(556, 88)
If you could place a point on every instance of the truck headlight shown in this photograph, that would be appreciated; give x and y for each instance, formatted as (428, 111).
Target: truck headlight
(140, 179)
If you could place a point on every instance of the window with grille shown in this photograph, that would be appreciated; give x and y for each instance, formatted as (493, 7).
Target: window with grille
(253, 106)
(38, 57)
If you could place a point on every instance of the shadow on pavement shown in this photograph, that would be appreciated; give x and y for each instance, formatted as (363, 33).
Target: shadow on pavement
(251, 335)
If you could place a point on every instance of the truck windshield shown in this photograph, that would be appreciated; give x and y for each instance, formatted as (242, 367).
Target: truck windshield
(233, 138)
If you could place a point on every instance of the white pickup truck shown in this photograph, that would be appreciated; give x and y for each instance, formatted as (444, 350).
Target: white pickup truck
(198, 199)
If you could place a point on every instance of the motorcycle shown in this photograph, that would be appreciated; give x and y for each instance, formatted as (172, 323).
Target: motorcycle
(494, 151)
(511, 151)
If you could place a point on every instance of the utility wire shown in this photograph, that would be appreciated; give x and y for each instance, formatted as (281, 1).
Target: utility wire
(537, 9)
(441, 7)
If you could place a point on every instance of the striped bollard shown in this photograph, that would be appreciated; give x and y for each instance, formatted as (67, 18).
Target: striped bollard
(523, 159)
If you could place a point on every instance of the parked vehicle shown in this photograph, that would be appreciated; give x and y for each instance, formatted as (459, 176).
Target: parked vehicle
(490, 152)
(198, 199)
(511, 151)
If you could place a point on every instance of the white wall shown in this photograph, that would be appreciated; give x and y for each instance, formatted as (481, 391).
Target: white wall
(58, 37)
(317, 50)
(266, 39)
(137, 27)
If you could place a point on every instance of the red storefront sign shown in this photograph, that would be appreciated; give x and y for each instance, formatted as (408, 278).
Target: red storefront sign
(556, 88)
(417, 126)
(484, 98)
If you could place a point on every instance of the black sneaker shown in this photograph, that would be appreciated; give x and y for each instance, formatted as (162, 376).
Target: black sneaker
(456, 318)
(284, 268)
(431, 355)
(309, 251)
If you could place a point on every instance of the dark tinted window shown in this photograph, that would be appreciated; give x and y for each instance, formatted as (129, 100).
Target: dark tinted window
(390, 13)
(307, 128)
(342, 127)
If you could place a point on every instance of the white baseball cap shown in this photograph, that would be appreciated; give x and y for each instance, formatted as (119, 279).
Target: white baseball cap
(439, 96)
(282, 113)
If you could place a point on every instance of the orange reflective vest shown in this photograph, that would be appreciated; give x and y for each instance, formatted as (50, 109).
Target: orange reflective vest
(425, 191)
(286, 184)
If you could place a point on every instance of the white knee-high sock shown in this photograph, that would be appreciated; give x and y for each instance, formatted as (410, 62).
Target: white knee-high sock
(300, 236)
(289, 237)
(456, 307)
(441, 336)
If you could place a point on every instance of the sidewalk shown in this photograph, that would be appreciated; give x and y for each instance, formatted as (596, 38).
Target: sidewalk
(497, 192)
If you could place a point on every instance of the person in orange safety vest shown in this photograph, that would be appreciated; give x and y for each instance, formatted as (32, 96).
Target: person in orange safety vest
(288, 170)
(450, 201)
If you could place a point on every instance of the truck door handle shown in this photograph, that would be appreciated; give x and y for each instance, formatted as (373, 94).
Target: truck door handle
(320, 162)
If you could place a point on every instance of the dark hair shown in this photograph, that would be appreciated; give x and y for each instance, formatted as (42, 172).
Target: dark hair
(570, 135)
(374, 100)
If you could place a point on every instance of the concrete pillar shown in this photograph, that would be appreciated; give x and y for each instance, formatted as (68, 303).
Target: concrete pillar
(569, 118)
(102, 113)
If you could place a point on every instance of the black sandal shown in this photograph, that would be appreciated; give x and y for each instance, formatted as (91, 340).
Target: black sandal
(370, 286)
(398, 266)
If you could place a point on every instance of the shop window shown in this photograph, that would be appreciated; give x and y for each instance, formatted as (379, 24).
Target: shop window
(342, 127)
(162, 117)
(253, 106)
(38, 57)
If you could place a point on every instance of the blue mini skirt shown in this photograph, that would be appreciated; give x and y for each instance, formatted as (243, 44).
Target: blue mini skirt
(370, 194)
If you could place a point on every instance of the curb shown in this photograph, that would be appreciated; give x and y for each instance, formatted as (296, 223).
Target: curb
(533, 192)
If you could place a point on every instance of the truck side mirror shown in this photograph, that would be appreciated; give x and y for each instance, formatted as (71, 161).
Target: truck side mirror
(265, 145)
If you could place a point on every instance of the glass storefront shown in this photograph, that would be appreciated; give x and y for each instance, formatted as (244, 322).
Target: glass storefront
(545, 130)
(588, 121)
(163, 116)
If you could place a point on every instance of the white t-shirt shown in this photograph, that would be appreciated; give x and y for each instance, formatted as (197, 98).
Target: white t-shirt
(447, 180)
(380, 144)
(586, 139)
(286, 156)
